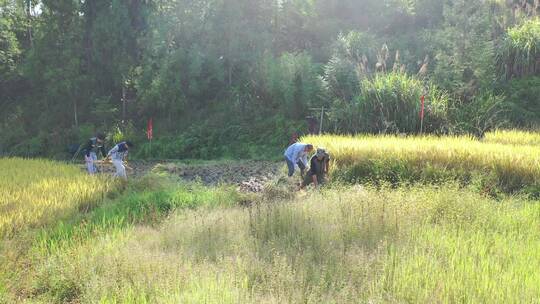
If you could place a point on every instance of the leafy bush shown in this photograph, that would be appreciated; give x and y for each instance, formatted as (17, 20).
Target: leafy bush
(349, 64)
(484, 112)
(390, 103)
(212, 139)
(521, 50)
(523, 96)
(11, 131)
(290, 83)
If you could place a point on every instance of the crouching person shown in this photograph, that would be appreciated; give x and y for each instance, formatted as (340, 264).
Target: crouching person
(296, 155)
(118, 154)
(319, 168)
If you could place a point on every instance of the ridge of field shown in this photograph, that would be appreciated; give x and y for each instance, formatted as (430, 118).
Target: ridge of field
(494, 167)
(37, 192)
(512, 137)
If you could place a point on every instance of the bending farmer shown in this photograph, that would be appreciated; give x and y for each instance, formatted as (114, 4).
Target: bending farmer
(93, 146)
(118, 154)
(319, 168)
(296, 154)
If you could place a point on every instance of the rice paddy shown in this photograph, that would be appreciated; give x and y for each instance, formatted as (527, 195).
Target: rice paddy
(510, 168)
(163, 241)
(513, 137)
(37, 192)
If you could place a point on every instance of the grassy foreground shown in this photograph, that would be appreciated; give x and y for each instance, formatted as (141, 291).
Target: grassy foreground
(340, 246)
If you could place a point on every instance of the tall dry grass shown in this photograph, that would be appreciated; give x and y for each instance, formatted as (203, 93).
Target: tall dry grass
(345, 245)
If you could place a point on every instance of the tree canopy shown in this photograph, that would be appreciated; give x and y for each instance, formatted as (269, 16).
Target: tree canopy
(220, 78)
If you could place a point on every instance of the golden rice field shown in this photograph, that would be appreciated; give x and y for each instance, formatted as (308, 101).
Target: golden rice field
(164, 241)
(36, 192)
(513, 137)
(514, 166)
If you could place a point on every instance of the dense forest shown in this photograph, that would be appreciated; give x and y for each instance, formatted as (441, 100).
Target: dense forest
(235, 78)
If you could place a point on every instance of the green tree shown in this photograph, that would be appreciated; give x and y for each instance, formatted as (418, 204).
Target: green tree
(520, 54)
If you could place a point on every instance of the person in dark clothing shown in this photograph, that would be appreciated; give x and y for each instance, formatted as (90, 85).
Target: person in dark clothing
(319, 166)
(93, 146)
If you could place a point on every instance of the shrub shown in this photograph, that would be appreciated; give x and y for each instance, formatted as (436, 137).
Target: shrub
(523, 101)
(290, 83)
(390, 103)
(521, 50)
(350, 62)
(483, 113)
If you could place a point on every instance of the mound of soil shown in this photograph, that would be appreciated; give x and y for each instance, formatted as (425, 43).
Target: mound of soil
(249, 176)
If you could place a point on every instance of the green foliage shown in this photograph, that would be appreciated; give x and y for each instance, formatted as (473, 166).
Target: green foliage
(9, 45)
(523, 98)
(526, 38)
(290, 83)
(390, 103)
(208, 141)
(353, 54)
(520, 52)
(225, 65)
(121, 133)
(11, 131)
(463, 48)
(484, 112)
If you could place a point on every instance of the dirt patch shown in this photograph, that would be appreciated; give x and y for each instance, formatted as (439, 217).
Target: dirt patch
(249, 176)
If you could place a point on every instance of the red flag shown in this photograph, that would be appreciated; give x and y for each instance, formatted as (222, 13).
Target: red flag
(422, 107)
(150, 129)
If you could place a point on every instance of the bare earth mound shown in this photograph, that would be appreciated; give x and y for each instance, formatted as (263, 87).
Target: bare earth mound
(249, 176)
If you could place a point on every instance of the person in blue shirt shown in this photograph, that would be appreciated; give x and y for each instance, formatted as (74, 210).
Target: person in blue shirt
(296, 155)
(93, 146)
(118, 154)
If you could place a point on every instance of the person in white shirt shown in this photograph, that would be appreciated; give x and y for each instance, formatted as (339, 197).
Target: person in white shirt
(93, 146)
(296, 155)
(118, 154)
